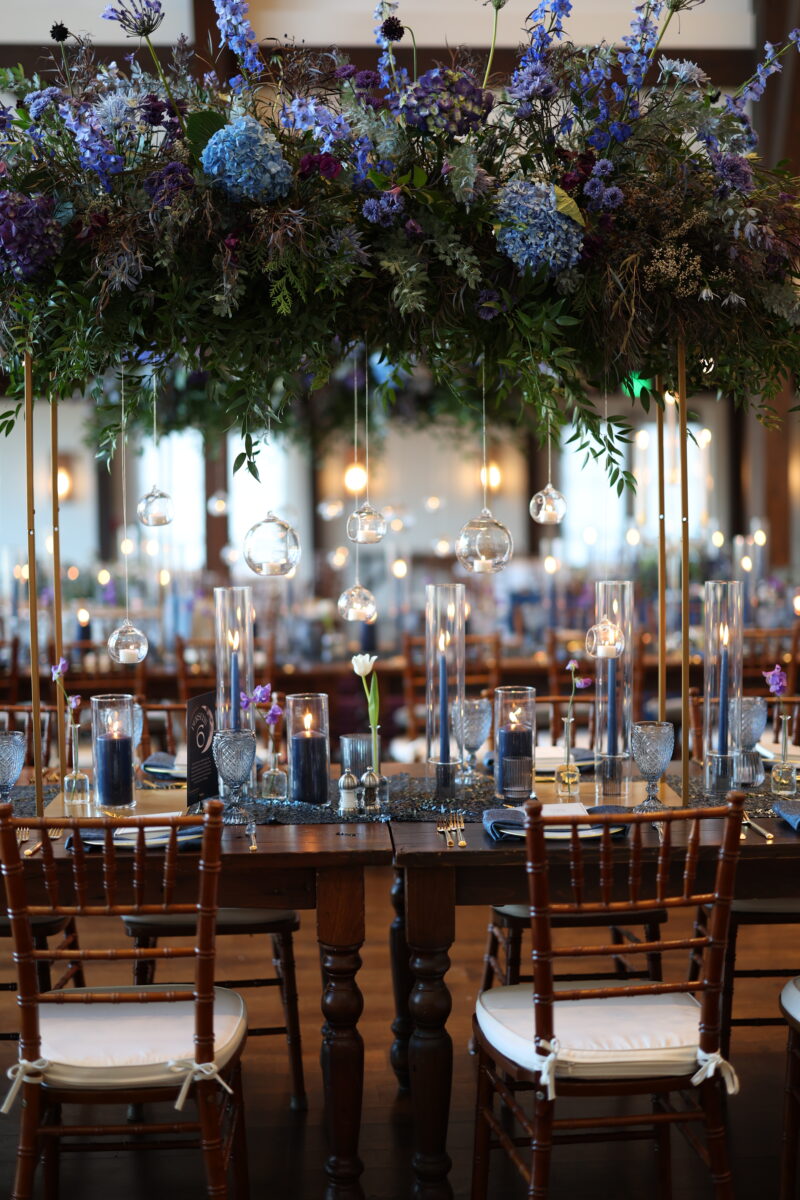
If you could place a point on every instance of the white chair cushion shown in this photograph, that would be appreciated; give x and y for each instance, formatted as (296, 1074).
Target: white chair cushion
(790, 999)
(621, 1037)
(129, 1045)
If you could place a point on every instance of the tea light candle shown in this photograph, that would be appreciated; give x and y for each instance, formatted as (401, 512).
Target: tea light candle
(128, 656)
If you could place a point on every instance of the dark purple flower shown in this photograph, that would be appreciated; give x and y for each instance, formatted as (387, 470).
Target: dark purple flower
(329, 166)
(413, 228)
(346, 71)
(392, 29)
(59, 32)
(489, 304)
(445, 101)
(231, 242)
(30, 236)
(571, 180)
(777, 681)
(733, 171)
(153, 109)
(365, 81)
(613, 197)
(166, 184)
(308, 164)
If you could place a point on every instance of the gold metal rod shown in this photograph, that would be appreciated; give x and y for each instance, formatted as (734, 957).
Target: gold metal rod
(684, 439)
(662, 559)
(58, 624)
(33, 593)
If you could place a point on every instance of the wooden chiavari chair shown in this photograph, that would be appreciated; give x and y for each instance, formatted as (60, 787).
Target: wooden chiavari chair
(646, 1039)
(9, 670)
(790, 1148)
(761, 650)
(102, 1045)
(20, 717)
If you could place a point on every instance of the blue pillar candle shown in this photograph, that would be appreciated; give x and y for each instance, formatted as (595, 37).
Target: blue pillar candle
(724, 689)
(612, 706)
(114, 767)
(236, 717)
(444, 712)
(309, 766)
(514, 740)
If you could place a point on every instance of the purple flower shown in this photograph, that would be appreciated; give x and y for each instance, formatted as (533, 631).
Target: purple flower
(384, 209)
(531, 81)
(74, 702)
(613, 197)
(594, 189)
(734, 172)
(61, 668)
(30, 236)
(392, 29)
(603, 167)
(584, 681)
(329, 166)
(445, 101)
(413, 228)
(365, 81)
(38, 102)
(346, 71)
(262, 693)
(572, 665)
(776, 678)
(166, 184)
(489, 304)
(274, 715)
(139, 18)
(95, 151)
(244, 701)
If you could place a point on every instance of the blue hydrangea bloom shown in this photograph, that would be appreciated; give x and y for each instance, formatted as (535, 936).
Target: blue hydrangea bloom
(534, 234)
(246, 161)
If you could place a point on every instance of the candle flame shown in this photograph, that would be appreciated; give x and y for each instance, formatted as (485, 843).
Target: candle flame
(515, 715)
(444, 641)
(307, 719)
(724, 634)
(233, 639)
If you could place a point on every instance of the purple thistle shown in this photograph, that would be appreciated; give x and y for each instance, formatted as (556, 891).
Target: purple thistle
(346, 71)
(777, 681)
(365, 81)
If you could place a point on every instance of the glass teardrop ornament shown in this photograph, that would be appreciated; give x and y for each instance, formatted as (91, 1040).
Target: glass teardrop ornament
(271, 547)
(484, 545)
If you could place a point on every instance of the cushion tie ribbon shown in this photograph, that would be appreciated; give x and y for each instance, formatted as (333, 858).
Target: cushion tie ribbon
(24, 1071)
(546, 1066)
(194, 1072)
(709, 1064)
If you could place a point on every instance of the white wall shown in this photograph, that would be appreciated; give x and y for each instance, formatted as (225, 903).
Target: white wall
(720, 23)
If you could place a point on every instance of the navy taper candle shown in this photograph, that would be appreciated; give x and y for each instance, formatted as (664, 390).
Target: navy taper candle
(114, 766)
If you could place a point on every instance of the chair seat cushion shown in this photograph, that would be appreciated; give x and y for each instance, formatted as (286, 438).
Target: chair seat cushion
(619, 1037)
(790, 999)
(522, 912)
(787, 905)
(40, 924)
(229, 920)
(129, 1045)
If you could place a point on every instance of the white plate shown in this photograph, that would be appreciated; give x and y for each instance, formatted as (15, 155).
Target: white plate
(555, 834)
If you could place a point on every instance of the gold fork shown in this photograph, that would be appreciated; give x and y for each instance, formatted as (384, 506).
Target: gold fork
(53, 834)
(459, 828)
(22, 836)
(443, 827)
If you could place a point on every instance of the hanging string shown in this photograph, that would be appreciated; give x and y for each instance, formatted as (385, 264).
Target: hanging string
(366, 421)
(355, 409)
(607, 489)
(549, 451)
(357, 580)
(155, 421)
(124, 490)
(485, 474)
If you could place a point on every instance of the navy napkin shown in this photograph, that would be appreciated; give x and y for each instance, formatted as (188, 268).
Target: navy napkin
(496, 820)
(789, 810)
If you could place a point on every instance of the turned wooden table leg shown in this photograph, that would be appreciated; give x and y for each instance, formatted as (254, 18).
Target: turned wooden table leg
(402, 983)
(430, 921)
(340, 931)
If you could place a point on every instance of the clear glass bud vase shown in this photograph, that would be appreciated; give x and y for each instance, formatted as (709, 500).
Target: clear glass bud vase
(274, 780)
(76, 782)
(784, 773)
(568, 777)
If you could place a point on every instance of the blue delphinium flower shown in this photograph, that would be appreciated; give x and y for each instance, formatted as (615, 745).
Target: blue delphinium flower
(138, 18)
(306, 113)
(6, 118)
(95, 152)
(30, 236)
(544, 31)
(384, 209)
(168, 182)
(246, 161)
(443, 100)
(38, 102)
(534, 234)
(237, 32)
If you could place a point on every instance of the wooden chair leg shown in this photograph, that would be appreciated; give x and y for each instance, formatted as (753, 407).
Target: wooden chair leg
(480, 1145)
(211, 1136)
(283, 945)
(51, 1148)
(490, 953)
(27, 1144)
(542, 1147)
(791, 1118)
(711, 1100)
(664, 1160)
(241, 1172)
(514, 954)
(144, 969)
(726, 997)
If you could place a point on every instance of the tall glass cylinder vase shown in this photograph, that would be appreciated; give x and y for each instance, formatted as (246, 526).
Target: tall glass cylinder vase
(233, 631)
(308, 740)
(514, 733)
(112, 751)
(613, 684)
(444, 692)
(722, 683)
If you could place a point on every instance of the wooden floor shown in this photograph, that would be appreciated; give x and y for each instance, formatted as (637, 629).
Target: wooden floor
(287, 1151)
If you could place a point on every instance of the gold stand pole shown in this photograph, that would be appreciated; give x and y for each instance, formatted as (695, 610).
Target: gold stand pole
(57, 618)
(683, 401)
(33, 592)
(662, 560)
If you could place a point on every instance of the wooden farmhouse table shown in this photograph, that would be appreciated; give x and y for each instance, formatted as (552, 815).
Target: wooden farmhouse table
(317, 867)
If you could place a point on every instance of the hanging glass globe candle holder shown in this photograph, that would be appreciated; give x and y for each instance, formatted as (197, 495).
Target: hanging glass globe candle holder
(367, 525)
(605, 640)
(271, 547)
(155, 508)
(218, 504)
(357, 603)
(484, 545)
(548, 507)
(127, 644)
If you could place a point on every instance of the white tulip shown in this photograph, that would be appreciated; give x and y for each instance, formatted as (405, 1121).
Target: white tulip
(363, 663)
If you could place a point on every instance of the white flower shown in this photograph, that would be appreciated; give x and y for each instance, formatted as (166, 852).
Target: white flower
(363, 663)
(706, 293)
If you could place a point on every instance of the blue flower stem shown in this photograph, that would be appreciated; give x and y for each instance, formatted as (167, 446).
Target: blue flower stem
(414, 44)
(167, 88)
(492, 47)
(67, 71)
